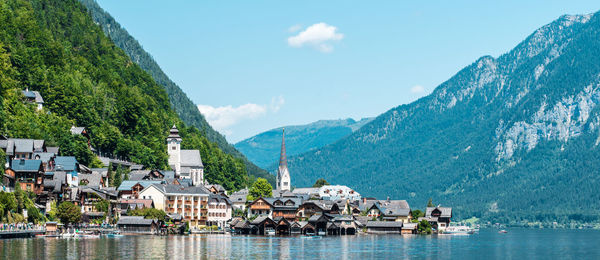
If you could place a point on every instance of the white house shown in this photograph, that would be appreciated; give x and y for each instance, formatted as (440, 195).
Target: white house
(219, 210)
(338, 192)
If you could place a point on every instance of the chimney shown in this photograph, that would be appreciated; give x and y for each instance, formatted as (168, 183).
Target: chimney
(364, 200)
(388, 198)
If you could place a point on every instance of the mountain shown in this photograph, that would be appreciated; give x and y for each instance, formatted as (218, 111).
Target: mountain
(55, 47)
(510, 139)
(180, 102)
(263, 149)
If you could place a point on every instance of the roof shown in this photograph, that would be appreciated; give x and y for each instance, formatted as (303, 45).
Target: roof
(77, 130)
(175, 216)
(93, 179)
(174, 133)
(315, 218)
(22, 165)
(392, 209)
(297, 202)
(410, 226)
(127, 185)
(33, 95)
(52, 149)
(22, 145)
(38, 145)
(446, 211)
(242, 224)
(135, 220)
(218, 187)
(44, 157)
(101, 171)
(180, 189)
(66, 163)
(259, 220)
(145, 203)
(191, 158)
(306, 190)
(384, 224)
(218, 198)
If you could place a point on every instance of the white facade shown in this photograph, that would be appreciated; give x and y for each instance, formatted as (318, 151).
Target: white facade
(157, 197)
(337, 192)
(284, 182)
(174, 151)
(219, 212)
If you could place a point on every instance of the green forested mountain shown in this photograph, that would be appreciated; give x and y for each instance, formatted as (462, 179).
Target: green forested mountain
(185, 108)
(513, 138)
(54, 47)
(263, 149)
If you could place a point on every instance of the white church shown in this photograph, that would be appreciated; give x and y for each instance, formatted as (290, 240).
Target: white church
(187, 164)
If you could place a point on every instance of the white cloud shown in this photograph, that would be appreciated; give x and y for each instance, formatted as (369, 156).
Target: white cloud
(295, 28)
(277, 103)
(319, 36)
(223, 117)
(417, 89)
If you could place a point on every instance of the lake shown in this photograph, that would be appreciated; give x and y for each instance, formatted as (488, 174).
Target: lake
(516, 244)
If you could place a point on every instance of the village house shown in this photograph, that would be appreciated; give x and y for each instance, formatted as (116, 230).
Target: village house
(284, 207)
(190, 202)
(238, 199)
(138, 224)
(28, 173)
(311, 207)
(130, 189)
(89, 197)
(391, 210)
(21, 148)
(70, 166)
(133, 204)
(384, 227)
(34, 97)
(438, 217)
(219, 210)
(260, 207)
(216, 189)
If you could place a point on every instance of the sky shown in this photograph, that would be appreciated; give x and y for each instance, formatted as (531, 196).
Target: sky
(251, 66)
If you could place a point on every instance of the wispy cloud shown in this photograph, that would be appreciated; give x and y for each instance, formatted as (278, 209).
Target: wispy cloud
(295, 28)
(319, 36)
(417, 89)
(222, 118)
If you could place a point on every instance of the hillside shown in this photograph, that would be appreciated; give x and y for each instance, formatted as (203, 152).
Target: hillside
(513, 138)
(180, 102)
(54, 47)
(263, 149)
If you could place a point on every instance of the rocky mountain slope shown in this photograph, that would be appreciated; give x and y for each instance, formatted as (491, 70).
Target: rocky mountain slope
(513, 138)
(263, 149)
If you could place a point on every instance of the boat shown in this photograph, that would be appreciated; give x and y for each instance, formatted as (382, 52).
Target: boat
(312, 237)
(458, 230)
(502, 231)
(115, 234)
(270, 232)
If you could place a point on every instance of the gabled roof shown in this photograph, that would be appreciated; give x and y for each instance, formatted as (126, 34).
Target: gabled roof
(191, 158)
(22, 145)
(140, 203)
(102, 171)
(218, 198)
(317, 218)
(244, 224)
(446, 212)
(261, 219)
(52, 149)
(44, 157)
(35, 95)
(169, 189)
(135, 220)
(127, 185)
(77, 130)
(66, 163)
(22, 165)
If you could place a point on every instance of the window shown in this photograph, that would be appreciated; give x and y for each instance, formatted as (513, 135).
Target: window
(174, 147)
(285, 183)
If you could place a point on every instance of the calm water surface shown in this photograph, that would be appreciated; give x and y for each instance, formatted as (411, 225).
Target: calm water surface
(488, 244)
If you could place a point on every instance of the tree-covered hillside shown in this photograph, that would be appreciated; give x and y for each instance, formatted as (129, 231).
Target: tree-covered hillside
(510, 139)
(185, 108)
(263, 149)
(54, 47)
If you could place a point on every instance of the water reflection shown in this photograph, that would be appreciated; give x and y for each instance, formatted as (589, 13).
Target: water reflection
(487, 244)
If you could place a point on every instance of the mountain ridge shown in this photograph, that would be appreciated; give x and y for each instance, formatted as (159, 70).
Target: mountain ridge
(536, 104)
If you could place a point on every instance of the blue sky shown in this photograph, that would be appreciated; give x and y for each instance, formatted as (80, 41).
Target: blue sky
(257, 65)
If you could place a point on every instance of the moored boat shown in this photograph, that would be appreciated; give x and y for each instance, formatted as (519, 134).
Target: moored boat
(459, 230)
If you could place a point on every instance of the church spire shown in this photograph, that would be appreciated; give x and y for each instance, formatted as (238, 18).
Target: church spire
(282, 155)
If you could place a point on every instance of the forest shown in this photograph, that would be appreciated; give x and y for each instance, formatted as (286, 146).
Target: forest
(55, 47)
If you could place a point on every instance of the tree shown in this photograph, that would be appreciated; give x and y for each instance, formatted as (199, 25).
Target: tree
(148, 213)
(260, 188)
(68, 213)
(416, 214)
(430, 203)
(102, 205)
(424, 227)
(117, 180)
(320, 183)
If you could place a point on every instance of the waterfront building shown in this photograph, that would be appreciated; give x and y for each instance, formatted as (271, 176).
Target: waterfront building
(384, 227)
(260, 207)
(219, 210)
(438, 217)
(285, 207)
(190, 202)
(137, 224)
(88, 197)
(283, 174)
(216, 189)
(70, 166)
(28, 173)
(391, 210)
(311, 207)
(187, 164)
(133, 204)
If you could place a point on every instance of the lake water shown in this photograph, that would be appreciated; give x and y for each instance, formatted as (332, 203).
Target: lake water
(488, 244)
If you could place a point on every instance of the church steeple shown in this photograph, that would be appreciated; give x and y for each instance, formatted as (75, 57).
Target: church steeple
(283, 175)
